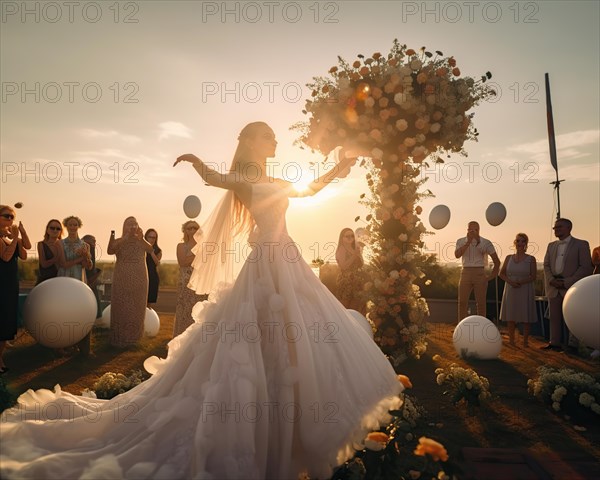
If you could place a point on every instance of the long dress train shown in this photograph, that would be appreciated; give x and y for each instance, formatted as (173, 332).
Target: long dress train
(274, 379)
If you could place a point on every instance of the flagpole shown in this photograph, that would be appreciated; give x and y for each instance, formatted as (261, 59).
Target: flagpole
(552, 144)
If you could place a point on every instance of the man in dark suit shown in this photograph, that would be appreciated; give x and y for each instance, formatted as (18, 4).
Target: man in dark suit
(567, 260)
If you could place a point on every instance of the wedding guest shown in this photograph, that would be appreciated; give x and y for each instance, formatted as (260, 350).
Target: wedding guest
(93, 274)
(567, 260)
(596, 260)
(14, 244)
(350, 280)
(186, 297)
(77, 253)
(152, 261)
(519, 271)
(473, 251)
(50, 251)
(130, 284)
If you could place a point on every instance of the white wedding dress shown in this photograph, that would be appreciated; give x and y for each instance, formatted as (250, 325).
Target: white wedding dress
(275, 379)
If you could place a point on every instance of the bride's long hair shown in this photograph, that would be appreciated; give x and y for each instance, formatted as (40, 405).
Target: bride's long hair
(226, 228)
(243, 221)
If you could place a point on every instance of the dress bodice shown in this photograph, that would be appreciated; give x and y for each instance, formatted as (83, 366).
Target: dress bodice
(268, 208)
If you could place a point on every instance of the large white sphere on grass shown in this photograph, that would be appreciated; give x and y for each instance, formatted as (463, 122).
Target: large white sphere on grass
(60, 312)
(477, 337)
(151, 323)
(581, 309)
(362, 320)
(104, 320)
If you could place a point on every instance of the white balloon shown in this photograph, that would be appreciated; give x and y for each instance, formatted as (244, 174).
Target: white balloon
(192, 206)
(477, 337)
(60, 312)
(495, 214)
(439, 216)
(151, 323)
(362, 321)
(104, 320)
(581, 309)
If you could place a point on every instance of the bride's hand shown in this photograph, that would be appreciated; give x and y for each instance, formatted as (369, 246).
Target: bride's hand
(354, 152)
(188, 157)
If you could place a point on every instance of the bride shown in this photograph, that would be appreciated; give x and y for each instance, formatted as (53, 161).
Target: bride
(275, 379)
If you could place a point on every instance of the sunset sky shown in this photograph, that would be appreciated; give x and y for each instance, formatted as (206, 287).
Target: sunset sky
(99, 98)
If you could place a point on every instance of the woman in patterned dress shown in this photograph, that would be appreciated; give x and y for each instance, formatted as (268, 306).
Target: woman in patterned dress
(129, 284)
(186, 298)
(77, 253)
(350, 280)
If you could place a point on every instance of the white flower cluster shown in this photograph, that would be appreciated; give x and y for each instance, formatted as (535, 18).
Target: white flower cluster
(112, 384)
(554, 386)
(464, 383)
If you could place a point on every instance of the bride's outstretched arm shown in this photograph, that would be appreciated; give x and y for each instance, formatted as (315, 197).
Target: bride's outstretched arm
(347, 159)
(211, 176)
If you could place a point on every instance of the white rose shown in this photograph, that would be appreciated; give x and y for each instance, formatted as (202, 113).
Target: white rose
(401, 124)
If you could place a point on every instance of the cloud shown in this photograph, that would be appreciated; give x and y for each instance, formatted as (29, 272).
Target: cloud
(568, 146)
(109, 134)
(173, 129)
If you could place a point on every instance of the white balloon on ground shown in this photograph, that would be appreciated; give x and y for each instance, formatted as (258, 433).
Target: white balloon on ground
(477, 337)
(439, 216)
(151, 323)
(581, 309)
(104, 320)
(192, 206)
(495, 214)
(362, 321)
(60, 312)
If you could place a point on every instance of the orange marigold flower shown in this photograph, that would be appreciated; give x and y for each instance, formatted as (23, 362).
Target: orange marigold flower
(419, 210)
(380, 437)
(456, 71)
(376, 55)
(333, 69)
(427, 446)
(410, 51)
(405, 381)
(356, 64)
(364, 71)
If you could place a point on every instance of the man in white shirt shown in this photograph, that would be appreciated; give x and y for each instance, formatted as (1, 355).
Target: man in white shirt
(567, 260)
(473, 250)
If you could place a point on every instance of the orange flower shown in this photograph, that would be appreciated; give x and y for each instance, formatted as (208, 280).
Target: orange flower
(456, 71)
(364, 71)
(356, 64)
(376, 55)
(333, 69)
(419, 209)
(380, 437)
(441, 72)
(410, 51)
(452, 62)
(427, 446)
(405, 381)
